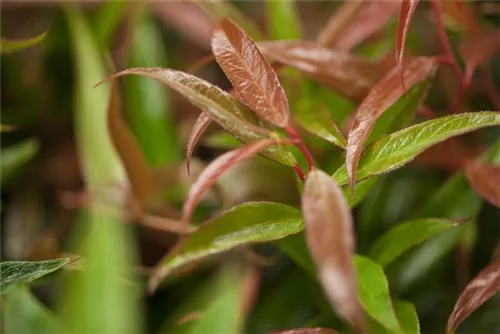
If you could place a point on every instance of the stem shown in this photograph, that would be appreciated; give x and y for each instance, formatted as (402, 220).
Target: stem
(300, 144)
(300, 172)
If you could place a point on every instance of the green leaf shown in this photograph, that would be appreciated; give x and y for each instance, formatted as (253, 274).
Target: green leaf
(361, 190)
(282, 20)
(27, 271)
(397, 149)
(23, 313)
(405, 236)
(107, 20)
(146, 101)
(248, 223)
(13, 45)
(13, 157)
(222, 140)
(407, 316)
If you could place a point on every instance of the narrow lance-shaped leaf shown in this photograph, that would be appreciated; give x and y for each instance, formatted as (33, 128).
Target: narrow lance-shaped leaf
(399, 148)
(475, 294)
(282, 20)
(14, 157)
(320, 123)
(248, 223)
(406, 12)
(227, 111)
(218, 167)
(14, 45)
(484, 178)
(379, 99)
(250, 73)
(338, 22)
(315, 330)
(349, 75)
(202, 123)
(330, 239)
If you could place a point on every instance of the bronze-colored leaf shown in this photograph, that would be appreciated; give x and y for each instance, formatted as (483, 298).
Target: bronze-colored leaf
(405, 15)
(349, 75)
(202, 123)
(485, 179)
(462, 13)
(385, 93)
(316, 330)
(250, 73)
(479, 47)
(330, 239)
(338, 22)
(475, 294)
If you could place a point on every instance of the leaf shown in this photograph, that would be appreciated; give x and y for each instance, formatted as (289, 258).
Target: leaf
(330, 239)
(404, 236)
(320, 123)
(14, 45)
(250, 73)
(349, 75)
(479, 47)
(385, 93)
(23, 313)
(397, 149)
(407, 316)
(406, 12)
(222, 140)
(316, 330)
(27, 271)
(202, 123)
(227, 111)
(282, 20)
(475, 294)
(251, 222)
(484, 178)
(462, 13)
(342, 18)
(216, 168)
(15, 156)
(373, 293)
(361, 190)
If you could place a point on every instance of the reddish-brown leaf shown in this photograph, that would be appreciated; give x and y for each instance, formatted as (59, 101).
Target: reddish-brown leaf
(479, 47)
(475, 294)
(462, 13)
(405, 15)
(347, 74)
(368, 21)
(250, 73)
(485, 179)
(338, 22)
(218, 167)
(330, 239)
(385, 93)
(317, 330)
(202, 123)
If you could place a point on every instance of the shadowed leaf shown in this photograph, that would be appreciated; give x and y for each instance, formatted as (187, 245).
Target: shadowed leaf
(484, 178)
(462, 13)
(397, 149)
(202, 123)
(342, 18)
(330, 239)
(406, 12)
(248, 223)
(250, 73)
(14, 157)
(227, 111)
(317, 330)
(14, 45)
(378, 100)
(475, 294)
(320, 123)
(349, 75)
(27, 271)
(478, 48)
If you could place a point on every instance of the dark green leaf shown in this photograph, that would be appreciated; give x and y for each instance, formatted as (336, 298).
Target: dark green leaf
(13, 157)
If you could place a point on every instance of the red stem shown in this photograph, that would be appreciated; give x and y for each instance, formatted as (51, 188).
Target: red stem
(300, 172)
(300, 144)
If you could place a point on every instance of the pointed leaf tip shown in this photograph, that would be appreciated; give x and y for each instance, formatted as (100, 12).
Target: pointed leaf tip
(250, 73)
(202, 123)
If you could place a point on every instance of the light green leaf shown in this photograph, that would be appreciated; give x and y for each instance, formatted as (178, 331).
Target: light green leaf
(373, 291)
(27, 271)
(13, 157)
(397, 149)
(282, 20)
(248, 223)
(405, 236)
(319, 123)
(361, 190)
(222, 140)
(23, 313)
(407, 316)
(14, 45)
(107, 20)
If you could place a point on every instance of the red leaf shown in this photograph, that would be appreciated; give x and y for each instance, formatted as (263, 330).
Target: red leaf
(405, 15)
(317, 330)
(479, 48)
(350, 75)
(384, 94)
(330, 239)
(475, 294)
(338, 22)
(485, 179)
(218, 167)
(202, 123)
(250, 73)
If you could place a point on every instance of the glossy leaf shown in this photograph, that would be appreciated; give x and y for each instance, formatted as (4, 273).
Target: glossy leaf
(484, 178)
(23, 313)
(14, 45)
(330, 239)
(320, 123)
(227, 111)
(216, 168)
(27, 271)
(282, 19)
(15, 156)
(404, 236)
(406, 12)
(379, 99)
(397, 149)
(342, 18)
(250, 73)
(349, 75)
(252, 222)
(202, 123)
(315, 330)
(373, 290)
(476, 293)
